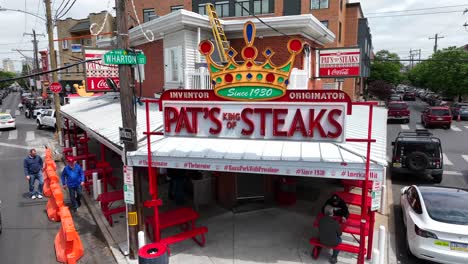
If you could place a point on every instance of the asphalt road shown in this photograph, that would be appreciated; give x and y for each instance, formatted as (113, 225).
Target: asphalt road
(28, 236)
(454, 145)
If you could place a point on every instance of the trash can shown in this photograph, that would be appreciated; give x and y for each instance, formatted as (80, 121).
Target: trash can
(155, 253)
(286, 191)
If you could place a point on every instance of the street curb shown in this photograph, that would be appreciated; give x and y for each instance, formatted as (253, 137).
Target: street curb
(391, 256)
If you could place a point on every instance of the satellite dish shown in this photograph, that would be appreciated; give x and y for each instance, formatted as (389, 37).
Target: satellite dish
(112, 84)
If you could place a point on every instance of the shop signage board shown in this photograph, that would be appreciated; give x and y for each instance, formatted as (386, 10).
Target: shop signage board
(126, 134)
(121, 56)
(339, 63)
(97, 72)
(128, 175)
(76, 48)
(129, 194)
(376, 195)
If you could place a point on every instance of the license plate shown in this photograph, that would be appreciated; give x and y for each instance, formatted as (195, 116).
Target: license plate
(458, 246)
(397, 165)
(440, 118)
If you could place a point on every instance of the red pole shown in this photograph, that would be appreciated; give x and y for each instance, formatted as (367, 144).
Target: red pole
(67, 123)
(364, 206)
(371, 235)
(103, 152)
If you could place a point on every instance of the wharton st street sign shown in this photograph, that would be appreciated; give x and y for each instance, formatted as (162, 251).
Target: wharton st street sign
(121, 56)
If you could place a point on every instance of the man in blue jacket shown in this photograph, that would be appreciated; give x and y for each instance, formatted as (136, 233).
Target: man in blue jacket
(33, 171)
(73, 178)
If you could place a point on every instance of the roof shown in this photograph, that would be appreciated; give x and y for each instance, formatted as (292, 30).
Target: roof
(80, 27)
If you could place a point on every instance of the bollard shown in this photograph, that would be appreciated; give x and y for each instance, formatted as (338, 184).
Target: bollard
(99, 189)
(84, 165)
(383, 201)
(95, 184)
(381, 244)
(376, 254)
(74, 153)
(67, 143)
(141, 239)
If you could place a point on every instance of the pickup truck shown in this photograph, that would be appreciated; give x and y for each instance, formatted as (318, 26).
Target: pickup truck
(398, 110)
(46, 119)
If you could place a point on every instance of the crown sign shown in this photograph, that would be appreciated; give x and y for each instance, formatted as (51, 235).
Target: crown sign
(250, 80)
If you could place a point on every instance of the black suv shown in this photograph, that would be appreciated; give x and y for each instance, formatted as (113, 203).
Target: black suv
(419, 153)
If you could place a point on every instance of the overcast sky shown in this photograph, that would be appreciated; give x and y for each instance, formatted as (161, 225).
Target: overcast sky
(396, 33)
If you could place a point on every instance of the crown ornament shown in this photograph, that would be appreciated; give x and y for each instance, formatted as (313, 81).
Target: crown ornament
(250, 79)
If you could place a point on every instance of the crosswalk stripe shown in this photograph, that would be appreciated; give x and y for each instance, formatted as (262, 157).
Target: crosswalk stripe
(465, 157)
(466, 127)
(30, 136)
(17, 112)
(405, 127)
(13, 135)
(447, 161)
(455, 129)
(8, 111)
(419, 127)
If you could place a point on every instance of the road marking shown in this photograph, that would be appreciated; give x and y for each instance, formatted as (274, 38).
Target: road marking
(405, 127)
(30, 136)
(8, 111)
(419, 127)
(465, 157)
(13, 135)
(455, 129)
(38, 149)
(466, 127)
(447, 161)
(17, 113)
(455, 173)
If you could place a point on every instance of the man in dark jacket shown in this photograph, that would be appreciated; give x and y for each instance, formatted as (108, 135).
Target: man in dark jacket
(33, 171)
(330, 232)
(73, 178)
(339, 207)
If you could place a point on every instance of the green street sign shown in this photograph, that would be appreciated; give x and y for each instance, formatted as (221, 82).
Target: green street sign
(121, 56)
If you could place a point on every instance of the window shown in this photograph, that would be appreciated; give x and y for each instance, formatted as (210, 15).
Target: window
(319, 4)
(261, 6)
(325, 23)
(222, 8)
(65, 44)
(341, 5)
(173, 63)
(242, 8)
(339, 33)
(148, 14)
(177, 7)
(202, 9)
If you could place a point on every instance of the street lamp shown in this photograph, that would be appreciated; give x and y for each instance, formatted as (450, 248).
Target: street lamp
(22, 11)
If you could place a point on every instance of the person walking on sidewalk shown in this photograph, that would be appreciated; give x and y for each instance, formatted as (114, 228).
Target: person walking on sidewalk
(72, 179)
(33, 171)
(330, 232)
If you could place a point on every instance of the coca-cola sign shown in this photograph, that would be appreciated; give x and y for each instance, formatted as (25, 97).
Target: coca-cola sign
(97, 72)
(339, 63)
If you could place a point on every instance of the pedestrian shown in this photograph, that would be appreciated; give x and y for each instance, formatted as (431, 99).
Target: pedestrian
(330, 232)
(20, 107)
(72, 179)
(33, 171)
(339, 207)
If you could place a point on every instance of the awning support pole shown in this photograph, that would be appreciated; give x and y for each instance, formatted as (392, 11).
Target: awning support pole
(103, 152)
(364, 207)
(371, 235)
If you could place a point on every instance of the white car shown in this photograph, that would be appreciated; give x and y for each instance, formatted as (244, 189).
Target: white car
(7, 121)
(46, 119)
(436, 223)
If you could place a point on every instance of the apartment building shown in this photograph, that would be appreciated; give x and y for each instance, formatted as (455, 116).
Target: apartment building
(345, 20)
(73, 36)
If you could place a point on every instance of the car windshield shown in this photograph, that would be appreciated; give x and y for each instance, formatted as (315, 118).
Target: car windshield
(429, 148)
(5, 117)
(440, 112)
(397, 106)
(447, 206)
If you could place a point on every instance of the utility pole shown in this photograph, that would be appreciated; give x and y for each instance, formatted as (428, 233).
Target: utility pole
(436, 37)
(411, 58)
(36, 58)
(413, 53)
(127, 84)
(53, 64)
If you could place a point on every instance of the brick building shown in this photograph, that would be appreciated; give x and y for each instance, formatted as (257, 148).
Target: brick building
(74, 35)
(339, 16)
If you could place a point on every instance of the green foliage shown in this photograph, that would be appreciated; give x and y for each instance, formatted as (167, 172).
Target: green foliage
(382, 69)
(446, 73)
(6, 75)
(25, 71)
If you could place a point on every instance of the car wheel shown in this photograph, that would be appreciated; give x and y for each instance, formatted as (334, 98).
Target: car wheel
(437, 178)
(407, 121)
(39, 126)
(448, 126)
(407, 247)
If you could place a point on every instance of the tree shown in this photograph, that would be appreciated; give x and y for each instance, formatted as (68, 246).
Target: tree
(446, 72)
(25, 71)
(380, 89)
(6, 75)
(385, 70)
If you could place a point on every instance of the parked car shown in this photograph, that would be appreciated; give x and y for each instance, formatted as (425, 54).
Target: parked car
(426, 96)
(409, 96)
(394, 97)
(433, 99)
(398, 110)
(417, 152)
(436, 223)
(436, 116)
(7, 121)
(46, 119)
(459, 109)
(40, 110)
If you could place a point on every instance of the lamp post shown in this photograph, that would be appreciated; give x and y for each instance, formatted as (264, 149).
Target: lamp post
(23, 11)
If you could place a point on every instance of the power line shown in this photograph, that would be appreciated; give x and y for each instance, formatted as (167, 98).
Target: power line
(419, 9)
(59, 11)
(72, 4)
